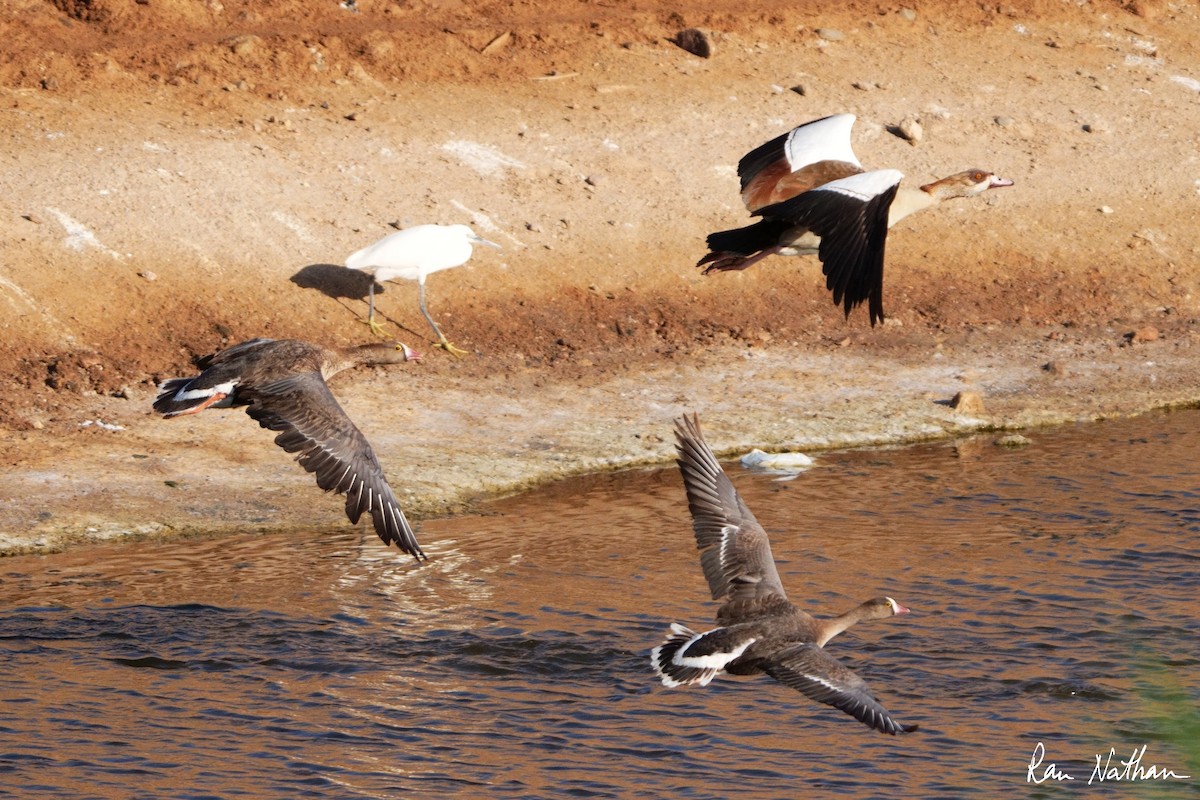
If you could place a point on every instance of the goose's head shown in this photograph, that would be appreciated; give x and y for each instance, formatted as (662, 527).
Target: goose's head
(967, 183)
(881, 608)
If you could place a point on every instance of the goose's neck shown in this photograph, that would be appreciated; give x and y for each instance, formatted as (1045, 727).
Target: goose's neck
(341, 359)
(832, 627)
(909, 201)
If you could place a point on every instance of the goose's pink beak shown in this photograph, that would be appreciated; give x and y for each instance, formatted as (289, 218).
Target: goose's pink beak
(997, 182)
(409, 353)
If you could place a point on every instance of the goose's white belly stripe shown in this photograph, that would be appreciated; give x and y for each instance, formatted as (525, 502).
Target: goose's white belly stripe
(715, 661)
(220, 388)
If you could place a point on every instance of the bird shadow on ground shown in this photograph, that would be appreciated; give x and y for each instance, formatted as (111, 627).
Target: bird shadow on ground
(344, 285)
(334, 280)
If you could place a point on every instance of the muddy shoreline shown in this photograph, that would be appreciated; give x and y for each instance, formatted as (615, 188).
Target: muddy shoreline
(451, 442)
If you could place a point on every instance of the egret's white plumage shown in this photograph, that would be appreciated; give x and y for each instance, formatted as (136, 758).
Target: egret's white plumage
(412, 254)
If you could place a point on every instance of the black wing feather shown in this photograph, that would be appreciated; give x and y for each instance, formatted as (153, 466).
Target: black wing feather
(853, 237)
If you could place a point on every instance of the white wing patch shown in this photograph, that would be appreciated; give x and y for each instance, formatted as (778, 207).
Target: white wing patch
(728, 539)
(824, 140)
(866, 185)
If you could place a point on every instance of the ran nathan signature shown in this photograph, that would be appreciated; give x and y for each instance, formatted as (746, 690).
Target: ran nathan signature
(1108, 768)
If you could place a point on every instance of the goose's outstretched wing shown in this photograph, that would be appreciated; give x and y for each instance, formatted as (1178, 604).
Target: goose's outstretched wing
(811, 671)
(312, 423)
(734, 550)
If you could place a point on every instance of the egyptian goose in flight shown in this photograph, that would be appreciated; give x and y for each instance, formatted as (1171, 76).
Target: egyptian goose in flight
(760, 630)
(412, 254)
(282, 384)
(814, 198)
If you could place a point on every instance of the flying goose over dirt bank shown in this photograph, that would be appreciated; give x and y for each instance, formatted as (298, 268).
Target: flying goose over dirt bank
(759, 629)
(282, 384)
(815, 198)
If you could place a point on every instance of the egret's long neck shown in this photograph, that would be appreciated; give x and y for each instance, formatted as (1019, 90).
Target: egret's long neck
(908, 201)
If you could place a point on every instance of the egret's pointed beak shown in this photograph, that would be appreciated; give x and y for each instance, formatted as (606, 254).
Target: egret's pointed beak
(481, 240)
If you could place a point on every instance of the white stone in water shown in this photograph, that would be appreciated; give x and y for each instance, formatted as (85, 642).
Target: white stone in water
(1012, 440)
(776, 461)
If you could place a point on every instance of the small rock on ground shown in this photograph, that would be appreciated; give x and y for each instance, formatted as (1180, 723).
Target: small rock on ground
(968, 403)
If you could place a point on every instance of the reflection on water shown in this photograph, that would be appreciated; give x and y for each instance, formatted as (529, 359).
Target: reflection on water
(1053, 587)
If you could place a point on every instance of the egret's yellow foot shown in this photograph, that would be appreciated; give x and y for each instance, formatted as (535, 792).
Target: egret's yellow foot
(451, 349)
(376, 328)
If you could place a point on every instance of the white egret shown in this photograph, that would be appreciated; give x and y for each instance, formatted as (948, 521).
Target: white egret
(412, 254)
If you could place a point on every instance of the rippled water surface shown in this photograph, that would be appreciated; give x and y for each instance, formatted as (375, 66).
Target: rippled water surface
(1055, 591)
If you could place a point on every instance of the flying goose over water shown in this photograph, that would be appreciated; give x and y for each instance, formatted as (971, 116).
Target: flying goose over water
(760, 630)
(282, 384)
(815, 198)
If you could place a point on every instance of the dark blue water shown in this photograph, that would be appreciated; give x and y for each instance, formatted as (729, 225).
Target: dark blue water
(1055, 591)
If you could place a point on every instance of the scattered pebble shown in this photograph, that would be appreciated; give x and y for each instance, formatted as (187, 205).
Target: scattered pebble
(499, 43)
(695, 41)
(800, 89)
(1056, 368)
(1146, 334)
(911, 130)
(108, 426)
(968, 403)
(1005, 122)
(907, 14)
(831, 34)
(1106, 210)
(243, 45)
(34, 218)
(148, 275)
